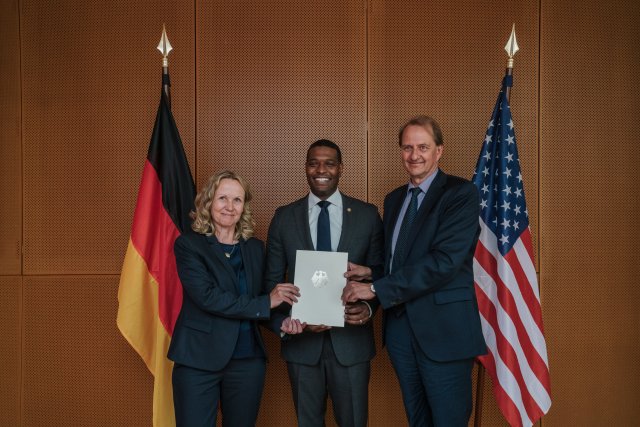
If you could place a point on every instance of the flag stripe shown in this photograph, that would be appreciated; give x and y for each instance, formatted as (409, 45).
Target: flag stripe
(526, 245)
(163, 413)
(153, 234)
(137, 312)
(522, 264)
(521, 280)
(508, 350)
(168, 159)
(140, 324)
(511, 299)
(510, 329)
(504, 384)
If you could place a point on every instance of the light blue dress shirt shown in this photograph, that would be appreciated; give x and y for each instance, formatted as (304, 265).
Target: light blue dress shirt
(424, 186)
(335, 218)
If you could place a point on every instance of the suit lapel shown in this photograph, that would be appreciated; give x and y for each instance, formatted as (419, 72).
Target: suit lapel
(301, 217)
(347, 226)
(392, 207)
(395, 205)
(246, 259)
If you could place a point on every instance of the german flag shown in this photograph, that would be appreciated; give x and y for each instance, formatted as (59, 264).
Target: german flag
(150, 294)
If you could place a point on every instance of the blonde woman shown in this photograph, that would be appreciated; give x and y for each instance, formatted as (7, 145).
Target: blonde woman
(216, 345)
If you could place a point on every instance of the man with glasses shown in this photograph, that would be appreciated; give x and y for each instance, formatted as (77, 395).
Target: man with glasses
(431, 322)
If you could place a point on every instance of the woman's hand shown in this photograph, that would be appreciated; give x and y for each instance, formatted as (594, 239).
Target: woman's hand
(284, 292)
(292, 326)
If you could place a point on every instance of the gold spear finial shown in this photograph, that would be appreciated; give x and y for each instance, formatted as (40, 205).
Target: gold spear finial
(164, 47)
(512, 46)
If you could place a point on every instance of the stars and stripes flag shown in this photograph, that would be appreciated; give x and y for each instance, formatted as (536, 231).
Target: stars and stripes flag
(505, 277)
(150, 293)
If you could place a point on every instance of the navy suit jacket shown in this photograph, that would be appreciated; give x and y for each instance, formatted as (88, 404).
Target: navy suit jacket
(435, 280)
(361, 237)
(207, 328)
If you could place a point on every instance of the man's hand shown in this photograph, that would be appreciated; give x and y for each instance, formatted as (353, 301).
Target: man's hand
(355, 291)
(357, 272)
(356, 313)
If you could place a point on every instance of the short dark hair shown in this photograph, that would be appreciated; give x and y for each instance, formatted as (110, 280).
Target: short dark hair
(428, 123)
(326, 143)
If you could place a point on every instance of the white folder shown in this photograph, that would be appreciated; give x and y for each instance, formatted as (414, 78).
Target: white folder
(320, 277)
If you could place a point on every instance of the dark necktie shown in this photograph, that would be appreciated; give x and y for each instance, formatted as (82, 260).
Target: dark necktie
(323, 241)
(405, 228)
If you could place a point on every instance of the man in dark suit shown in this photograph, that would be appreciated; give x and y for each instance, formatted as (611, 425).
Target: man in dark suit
(431, 323)
(321, 360)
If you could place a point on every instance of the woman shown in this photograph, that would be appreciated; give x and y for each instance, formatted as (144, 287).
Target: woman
(216, 345)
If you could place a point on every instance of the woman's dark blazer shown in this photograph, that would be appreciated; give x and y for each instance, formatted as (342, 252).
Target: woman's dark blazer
(207, 328)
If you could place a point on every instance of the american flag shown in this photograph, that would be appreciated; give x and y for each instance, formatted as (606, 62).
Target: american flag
(505, 278)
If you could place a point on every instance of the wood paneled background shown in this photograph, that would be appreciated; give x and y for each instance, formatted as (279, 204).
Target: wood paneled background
(253, 84)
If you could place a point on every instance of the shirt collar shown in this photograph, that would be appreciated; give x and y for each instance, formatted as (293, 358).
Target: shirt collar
(334, 199)
(424, 185)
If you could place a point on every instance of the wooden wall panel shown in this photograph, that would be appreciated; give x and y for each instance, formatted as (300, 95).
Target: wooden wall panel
(272, 78)
(78, 369)
(92, 81)
(589, 173)
(385, 399)
(446, 60)
(10, 144)
(11, 349)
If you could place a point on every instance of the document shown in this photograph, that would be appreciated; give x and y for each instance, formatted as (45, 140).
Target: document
(320, 277)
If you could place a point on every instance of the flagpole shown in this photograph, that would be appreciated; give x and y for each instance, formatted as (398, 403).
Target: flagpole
(511, 48)
(165, 47)
(477, 419)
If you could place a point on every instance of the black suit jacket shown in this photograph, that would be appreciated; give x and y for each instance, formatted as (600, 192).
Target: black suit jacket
(435, 280)
(361, 237)
(207, 328)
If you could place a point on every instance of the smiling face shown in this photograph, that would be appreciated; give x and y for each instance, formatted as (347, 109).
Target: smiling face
(420, 154)
(323, 171)
(227, 204)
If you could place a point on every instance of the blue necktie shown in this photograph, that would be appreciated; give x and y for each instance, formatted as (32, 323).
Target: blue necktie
(403, 236)
(323, 240)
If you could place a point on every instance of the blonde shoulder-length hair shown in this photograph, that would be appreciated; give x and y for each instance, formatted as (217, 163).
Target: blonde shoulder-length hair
(202, 221)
